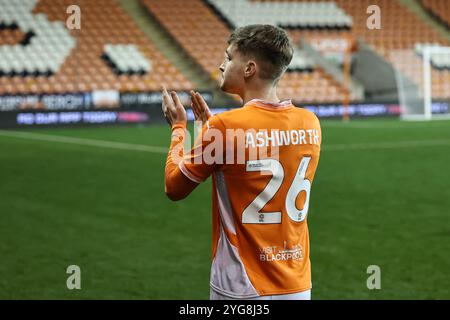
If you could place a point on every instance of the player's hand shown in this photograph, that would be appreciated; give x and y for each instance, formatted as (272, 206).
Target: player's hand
(172, 108)
(199, 107)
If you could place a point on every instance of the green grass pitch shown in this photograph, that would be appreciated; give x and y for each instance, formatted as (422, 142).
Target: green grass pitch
(381, 196)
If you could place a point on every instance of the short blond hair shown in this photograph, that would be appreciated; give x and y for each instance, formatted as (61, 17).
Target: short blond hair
(270, 45)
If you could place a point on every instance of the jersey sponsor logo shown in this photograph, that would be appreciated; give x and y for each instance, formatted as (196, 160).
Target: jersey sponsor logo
(274, 253)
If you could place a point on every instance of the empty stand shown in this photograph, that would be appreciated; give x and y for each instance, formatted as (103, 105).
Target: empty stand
(47, 43)
(283, 14)
(438, 8)
(203, 33)
(39, 55)
(401, 31)
(396, 41)
(126, 59)
(104, 24)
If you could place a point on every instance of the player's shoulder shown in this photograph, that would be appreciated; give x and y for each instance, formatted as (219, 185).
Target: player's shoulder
(307, 114)
(224, 118)
(230, 113)
(238, 116)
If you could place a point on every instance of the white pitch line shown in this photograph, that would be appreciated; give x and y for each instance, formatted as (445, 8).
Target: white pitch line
(388, 126)
(163, 150)
(386, 145)
(84, 142)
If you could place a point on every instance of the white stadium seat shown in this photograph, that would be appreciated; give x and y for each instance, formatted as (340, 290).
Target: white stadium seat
(126, 58)
(285, 14)
(48, 47)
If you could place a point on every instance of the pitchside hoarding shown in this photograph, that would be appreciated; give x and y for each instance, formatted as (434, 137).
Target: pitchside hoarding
(88, 108)
(112, 107)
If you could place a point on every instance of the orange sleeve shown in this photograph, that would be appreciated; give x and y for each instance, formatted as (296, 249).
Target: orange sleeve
(208, 153)
(185, 171)
(177, 185)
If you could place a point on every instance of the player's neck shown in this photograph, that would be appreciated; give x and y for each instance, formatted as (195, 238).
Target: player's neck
(267, 94)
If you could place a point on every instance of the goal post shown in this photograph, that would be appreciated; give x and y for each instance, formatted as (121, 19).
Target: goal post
(440, 57)
(424, 94)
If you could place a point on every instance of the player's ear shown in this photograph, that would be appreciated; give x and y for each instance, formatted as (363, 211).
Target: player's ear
(250, 69)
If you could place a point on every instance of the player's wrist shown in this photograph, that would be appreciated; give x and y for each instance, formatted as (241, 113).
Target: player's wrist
(177, 125)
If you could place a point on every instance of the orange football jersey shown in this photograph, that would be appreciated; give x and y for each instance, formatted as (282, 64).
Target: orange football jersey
(262, 172)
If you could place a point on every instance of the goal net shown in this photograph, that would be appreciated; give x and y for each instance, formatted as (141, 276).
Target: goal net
(423, 82)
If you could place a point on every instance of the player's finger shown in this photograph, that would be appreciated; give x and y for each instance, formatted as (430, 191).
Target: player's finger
(167, 116)
(194, 111)
(200, 108)
(203, 106)
(194, 105)
(168, 102)
(165, 94)
(164, 100)
(201, 102)
(179, 108)
(176, 100)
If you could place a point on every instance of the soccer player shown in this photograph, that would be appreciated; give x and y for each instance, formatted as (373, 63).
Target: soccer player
(262, 158)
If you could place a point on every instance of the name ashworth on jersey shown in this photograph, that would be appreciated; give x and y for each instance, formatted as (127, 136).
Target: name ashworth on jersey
(240, 145)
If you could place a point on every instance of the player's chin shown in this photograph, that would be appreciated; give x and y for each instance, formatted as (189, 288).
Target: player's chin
(225, 87)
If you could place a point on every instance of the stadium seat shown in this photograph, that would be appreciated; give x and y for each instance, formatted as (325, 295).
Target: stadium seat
(396, 40)
(286, 14)
(126, 58)
(439, 9)
(203, 33)
(60, 58)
